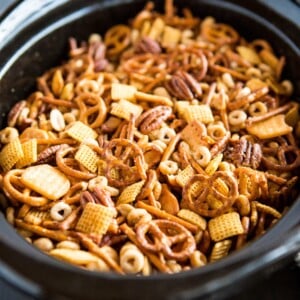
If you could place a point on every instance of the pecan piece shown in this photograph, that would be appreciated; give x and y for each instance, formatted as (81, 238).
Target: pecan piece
(15, 112)
(179, 88)
(147, 45)
(244, 153)
(48, 155)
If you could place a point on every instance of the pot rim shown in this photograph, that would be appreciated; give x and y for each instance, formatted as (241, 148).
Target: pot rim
(10, 241)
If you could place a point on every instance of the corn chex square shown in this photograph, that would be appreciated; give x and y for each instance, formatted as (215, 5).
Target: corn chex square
(10, 154)
(95, 218)
(125, 109)
(123, 91)
(185, 175)
(46, 180)
(130, 193)
(30, 154)
(88, 158)
(80, 132)
(200, 112)
(225, 226)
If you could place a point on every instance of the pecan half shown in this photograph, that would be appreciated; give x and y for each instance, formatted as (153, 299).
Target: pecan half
(147, 45)
(179, 88)
(48, 155)
(15, 112)
(244, 153)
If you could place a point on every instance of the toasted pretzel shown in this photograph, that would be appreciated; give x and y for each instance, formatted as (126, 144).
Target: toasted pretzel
(117, 39)
(198, 203)
(16, 190)
(68, 165)
(165, 234)
(92, 109)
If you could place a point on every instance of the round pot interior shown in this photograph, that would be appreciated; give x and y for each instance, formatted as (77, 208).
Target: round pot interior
(42, 44)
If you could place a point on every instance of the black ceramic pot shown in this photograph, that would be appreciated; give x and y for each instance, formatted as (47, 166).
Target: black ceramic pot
(33, 38)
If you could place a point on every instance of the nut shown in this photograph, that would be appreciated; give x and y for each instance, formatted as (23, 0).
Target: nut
(15, 113)
(57, 120)
(179, 88)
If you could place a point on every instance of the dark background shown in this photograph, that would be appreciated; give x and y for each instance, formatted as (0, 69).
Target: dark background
(279, 284)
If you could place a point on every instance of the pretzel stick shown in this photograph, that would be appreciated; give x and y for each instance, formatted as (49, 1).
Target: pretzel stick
(164, 215)
(92, 247)
(52, 234)
(153, 258)
(236, 74)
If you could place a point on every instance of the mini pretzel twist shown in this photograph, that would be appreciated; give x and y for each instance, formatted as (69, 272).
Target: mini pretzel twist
(197, 201)
(117, 39)
(165, 235)
(16, 190)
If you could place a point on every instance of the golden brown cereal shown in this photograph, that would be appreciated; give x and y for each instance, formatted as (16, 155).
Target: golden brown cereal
(46, 180)
(95, 218)
(10, 154)
(192, 217)
(122, 91)
(87, 157)
(80, 131)
(220, 250)
(270, 128)
(125, 109)
(30, 154)
(36, 217)
(200, 113)
(130, 193)
(225, 226)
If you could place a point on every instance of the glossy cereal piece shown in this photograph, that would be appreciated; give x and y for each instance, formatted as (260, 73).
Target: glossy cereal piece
(46, 180)
(185, 175)
(11, 154)
(270, 128)
(87, 157)
(225, 226)
(213, 165)
(192, 217)
(130, 193)
(125, 109)
(36, 217)
(30, 154)
(220, 250)
(95, 218)
(77, 257)
(201, 113)
(80, 132)
(123, 91)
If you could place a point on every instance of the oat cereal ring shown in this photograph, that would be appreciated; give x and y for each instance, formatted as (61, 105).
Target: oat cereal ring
(60, 211)
(165, 234)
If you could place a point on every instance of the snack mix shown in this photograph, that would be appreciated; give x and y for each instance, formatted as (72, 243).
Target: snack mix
(159, 146)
